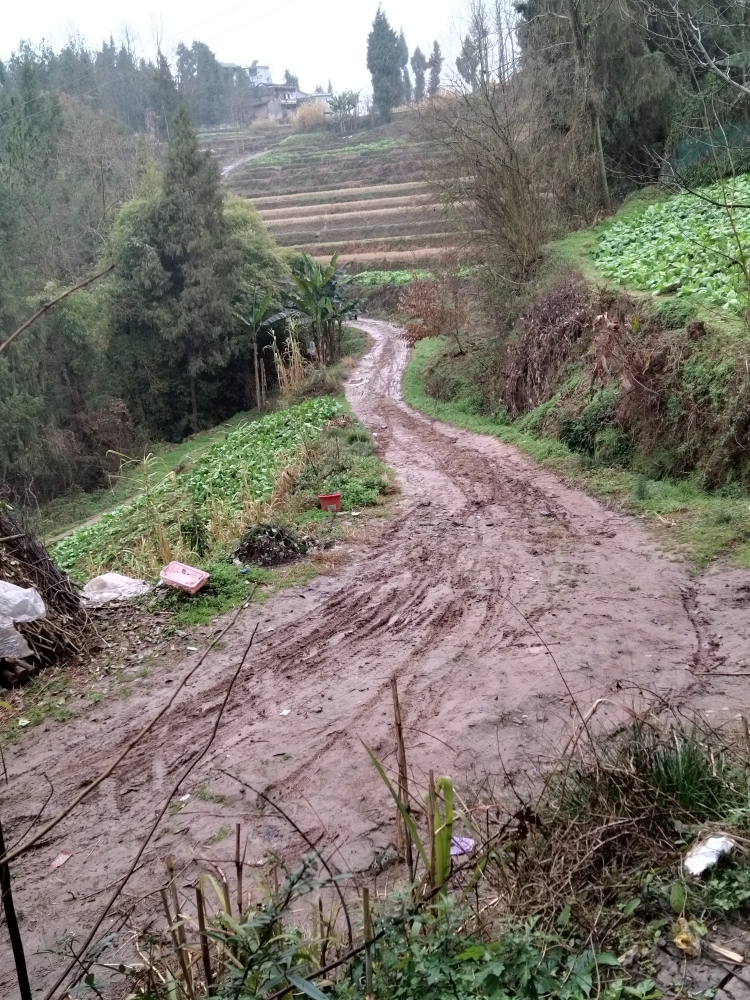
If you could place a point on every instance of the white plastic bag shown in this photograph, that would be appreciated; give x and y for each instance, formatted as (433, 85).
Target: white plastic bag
(17, 604)
(707, 852)
(113, 587)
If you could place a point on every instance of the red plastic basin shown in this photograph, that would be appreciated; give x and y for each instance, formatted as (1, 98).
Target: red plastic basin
(330, 502)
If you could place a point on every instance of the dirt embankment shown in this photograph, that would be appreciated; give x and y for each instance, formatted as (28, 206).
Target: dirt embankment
(495, 593)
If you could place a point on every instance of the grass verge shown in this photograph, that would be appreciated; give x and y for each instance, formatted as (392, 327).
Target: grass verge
(57, 517)
(697, 524)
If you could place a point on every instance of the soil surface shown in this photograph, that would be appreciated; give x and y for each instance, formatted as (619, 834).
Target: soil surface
(497, 595)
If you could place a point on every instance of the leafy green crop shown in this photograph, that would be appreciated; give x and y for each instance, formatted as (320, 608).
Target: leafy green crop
(278, 158)
(684, 245)
(242, 466)
(373, 279)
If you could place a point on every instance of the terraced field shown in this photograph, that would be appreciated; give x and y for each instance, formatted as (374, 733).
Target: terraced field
(365, 197)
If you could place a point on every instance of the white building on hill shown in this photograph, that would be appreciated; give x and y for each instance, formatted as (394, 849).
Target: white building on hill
(273, 101)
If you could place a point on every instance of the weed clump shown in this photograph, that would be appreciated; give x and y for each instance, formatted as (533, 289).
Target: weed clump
(612, 825)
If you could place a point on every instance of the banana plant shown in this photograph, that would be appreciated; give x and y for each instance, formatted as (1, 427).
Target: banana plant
(256, 322)
(320, 296)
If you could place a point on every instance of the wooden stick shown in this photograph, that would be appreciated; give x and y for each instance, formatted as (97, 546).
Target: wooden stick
(204, 941)
(720, 673)
(181, 927)
(40, 312)
(176, 944)
(14, 932)
(238, 863)
(324, 935)
(403, 778)
(368, 942)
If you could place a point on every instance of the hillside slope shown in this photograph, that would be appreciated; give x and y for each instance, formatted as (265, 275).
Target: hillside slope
(364, 196)
(639, 395)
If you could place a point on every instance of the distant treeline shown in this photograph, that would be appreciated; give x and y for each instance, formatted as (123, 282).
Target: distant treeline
(157, 349)
(142, 94)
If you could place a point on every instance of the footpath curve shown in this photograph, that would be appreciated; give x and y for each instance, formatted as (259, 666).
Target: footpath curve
(496, 593)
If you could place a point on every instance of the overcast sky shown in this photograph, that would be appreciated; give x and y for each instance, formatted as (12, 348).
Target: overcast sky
(316, 39)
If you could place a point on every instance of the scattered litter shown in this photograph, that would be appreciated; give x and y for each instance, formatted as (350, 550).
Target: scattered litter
(183, 798)
(184, 577)
(61, 859)
(286, 711)
(271, 544)
(628, 957)
(725, 953)
(707, 852)
(686, 937)
(192, 649)
(65, 629)
(461, 845)
(356, 513)
(24, 722)
(17, 605)
(113, 587)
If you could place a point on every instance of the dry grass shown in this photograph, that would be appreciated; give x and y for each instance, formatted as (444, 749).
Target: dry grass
(425, 229)
(385, 244)
(308, 118)
(406, 257)
(291, 368)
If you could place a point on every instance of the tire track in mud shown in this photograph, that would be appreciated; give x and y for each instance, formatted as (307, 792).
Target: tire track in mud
(427, 599)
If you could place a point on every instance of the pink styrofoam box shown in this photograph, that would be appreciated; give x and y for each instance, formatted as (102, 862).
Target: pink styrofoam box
(184, 577)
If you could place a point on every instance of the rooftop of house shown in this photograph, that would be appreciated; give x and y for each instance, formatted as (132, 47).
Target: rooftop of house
(261, 75)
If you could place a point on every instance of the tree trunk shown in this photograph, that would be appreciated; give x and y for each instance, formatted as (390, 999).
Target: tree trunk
(587, 117)
(606, 204)
(258, 400)
(194, 404)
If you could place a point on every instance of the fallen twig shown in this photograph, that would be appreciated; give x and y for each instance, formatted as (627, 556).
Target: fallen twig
(14, 932)
(173, 791)
(22, 848)
(309, 843)
(48, 305)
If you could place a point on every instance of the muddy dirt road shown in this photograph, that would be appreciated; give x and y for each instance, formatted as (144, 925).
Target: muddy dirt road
(484, 554)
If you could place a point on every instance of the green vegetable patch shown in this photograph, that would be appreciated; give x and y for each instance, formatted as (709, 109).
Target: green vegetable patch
(188, 516)
(691, 245)
(374, 279)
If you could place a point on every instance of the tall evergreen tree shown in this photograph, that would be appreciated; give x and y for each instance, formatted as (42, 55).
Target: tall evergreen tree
(200, 84)
(163, 93)
(419, 65)
(408, 90)
(384, 64)
(467, 63)
(403, 61)
(436, 68)
(176, 279)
